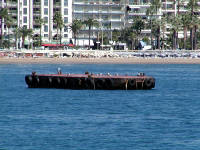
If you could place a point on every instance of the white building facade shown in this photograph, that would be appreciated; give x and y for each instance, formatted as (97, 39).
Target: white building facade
(27, 12)
(111, 15)
(168, 7)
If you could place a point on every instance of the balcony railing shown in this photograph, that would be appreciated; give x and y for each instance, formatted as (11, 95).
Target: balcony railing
(37, 3)
(139, 3)
(13, 12)
(57, 4)
(99, 12)
(99, 3)
(13, 4)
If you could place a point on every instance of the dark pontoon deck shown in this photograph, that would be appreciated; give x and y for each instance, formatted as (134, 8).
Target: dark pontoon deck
(90, 81)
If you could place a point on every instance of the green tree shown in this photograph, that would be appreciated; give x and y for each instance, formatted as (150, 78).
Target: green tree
(150, 13)
(116, 35)
(91, 23)
(17, 34)
(163, 26)
(193, 7)
(185, 23)
(156, 32)
(58, 20)
(25, 33)
(108, 26)
(104, 38)
(41, 22)
(195, 23)
(132, 36)
(75, 28)
(175, 27)
(154, 10)
(155, 5)
(137, 26)
(3, 15)
(9, 22)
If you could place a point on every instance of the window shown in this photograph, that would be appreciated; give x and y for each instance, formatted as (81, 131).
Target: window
(25, 2)
(66, 29)
(25, 19)
(46, 3)
(66, 3)
(65, 35)
(46, 19)
(36, 27)
(46, 11)
(45, 28)
(65, 11)
(65, 20)
(25, 11)
(46, 35)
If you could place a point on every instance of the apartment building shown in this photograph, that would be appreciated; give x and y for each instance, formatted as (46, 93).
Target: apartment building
(169, 7)
(27, 12)
(109, 13)
(113, 14)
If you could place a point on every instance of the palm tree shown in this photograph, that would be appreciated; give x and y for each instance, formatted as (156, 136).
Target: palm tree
(156, 32)
(9, 22)
(195, 23)
(41, 22)
(137, 26)
(58, 20)
(193, 7)
(155, 6)
(185, 22)
(116, 35)
(109, 27)
(163, 29)
(17, 34)
(3, 16)
(91, 23)
(175, 27)
(132, 37)
(75, 28)
(150, 13)
(25, 33)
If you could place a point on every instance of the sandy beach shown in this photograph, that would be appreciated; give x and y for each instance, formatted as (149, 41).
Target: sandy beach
(99, 61)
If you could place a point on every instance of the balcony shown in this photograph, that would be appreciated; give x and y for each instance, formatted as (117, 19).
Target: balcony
(139, 3)
(142, 14)
(36, 4)
(57, 4)
(13, 12)
(139, 6)
(12, 4)
(98, 4)
(168, 10)
(36, 13)
(116, 20)
(99, 12)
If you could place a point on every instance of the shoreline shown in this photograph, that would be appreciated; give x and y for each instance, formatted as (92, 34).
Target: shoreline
(71, 60)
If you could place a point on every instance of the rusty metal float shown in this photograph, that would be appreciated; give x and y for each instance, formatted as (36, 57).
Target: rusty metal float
(90, 81)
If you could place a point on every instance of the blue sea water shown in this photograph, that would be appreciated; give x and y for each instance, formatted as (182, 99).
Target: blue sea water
(165, 118)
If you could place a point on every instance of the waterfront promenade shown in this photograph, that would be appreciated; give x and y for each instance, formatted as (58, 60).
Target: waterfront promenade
(100, 57)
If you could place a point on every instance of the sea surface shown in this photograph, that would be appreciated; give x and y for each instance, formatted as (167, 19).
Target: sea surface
(165, 118)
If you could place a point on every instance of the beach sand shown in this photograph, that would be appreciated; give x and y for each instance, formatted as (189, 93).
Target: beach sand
(99, 61)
